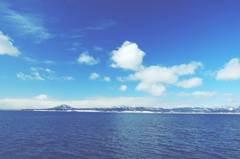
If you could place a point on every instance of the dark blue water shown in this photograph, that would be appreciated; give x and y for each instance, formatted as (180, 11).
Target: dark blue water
(49, 135)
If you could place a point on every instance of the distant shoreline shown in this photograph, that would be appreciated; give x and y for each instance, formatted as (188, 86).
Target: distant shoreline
(137, 110)
(127, 112)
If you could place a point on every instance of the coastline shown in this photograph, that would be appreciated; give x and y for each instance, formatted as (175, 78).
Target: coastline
(133, 112)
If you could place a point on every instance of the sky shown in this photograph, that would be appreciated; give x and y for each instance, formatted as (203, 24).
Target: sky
(153, 53)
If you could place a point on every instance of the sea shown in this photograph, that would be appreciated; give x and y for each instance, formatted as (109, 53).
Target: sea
(82, 135)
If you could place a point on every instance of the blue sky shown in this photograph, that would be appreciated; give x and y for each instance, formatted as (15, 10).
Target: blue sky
(105, 53)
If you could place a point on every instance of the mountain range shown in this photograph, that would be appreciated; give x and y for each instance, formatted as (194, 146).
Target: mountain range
(67, 108)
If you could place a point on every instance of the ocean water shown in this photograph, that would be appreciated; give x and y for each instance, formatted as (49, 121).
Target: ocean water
(53, 135)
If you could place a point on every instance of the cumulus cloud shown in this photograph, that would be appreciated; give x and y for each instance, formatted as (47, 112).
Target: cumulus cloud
(153, 79)
(7, 47)
(94, 76)
(86, 59)
(155, 74)
(41, 74)
(190, 83)
(187, 69)
(128, 56)
(167, 75)
(230, 71)
(123, 88)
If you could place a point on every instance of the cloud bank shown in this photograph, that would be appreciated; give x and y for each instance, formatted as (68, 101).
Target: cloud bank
(43, 101)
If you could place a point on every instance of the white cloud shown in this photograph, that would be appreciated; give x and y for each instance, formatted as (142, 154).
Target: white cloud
(123, 88)
(40, 74)
(41, 97)
(86, 59)
(24, 24)
(106, 79)
(154, 78)
(190, 83)
(203, 94)
(36, 73)
(199, 94)
(128, 56)
(156, 89)
(155, 74)
(31, 76)
(36, 61)
(186, 69)
(94, 76)
(231, 70)
(20, 103)
(7, 47)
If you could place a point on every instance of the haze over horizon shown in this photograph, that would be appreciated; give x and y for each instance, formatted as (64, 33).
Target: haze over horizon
(104, 53)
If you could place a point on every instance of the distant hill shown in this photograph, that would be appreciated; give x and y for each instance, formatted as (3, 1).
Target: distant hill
(63, 107)
(67, 108)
